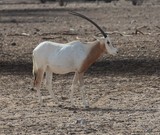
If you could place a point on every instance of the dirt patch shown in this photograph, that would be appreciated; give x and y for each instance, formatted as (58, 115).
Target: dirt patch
(123, 91)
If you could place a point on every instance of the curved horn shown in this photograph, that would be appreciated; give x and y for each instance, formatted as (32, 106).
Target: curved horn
(84, 17)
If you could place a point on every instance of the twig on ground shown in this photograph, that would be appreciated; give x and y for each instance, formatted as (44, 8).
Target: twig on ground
(50, 38)
(60, 33)
(158, 27)
(117, 32)
(138, 31)
(47, 38)
(17, 34)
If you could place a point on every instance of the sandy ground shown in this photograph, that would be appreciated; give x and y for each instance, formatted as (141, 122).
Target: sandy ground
(123, 90)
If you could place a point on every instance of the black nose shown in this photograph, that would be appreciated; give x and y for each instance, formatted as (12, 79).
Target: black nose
(117, 51)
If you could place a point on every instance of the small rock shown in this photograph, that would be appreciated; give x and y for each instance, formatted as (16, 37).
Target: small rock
(81, 121)
(13, 44)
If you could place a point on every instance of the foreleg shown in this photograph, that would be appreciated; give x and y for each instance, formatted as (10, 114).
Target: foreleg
(49, 85)
(75, 80)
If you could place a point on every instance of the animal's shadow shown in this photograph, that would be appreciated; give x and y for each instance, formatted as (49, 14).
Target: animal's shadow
(105, 67)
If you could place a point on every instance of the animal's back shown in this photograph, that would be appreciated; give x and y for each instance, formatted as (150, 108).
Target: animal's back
(42, 52)
(60, 58)
(46, 47)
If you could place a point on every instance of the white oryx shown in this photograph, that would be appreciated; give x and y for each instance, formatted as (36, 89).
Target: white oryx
(75, 56)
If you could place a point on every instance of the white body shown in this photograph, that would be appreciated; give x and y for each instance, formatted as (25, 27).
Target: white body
(60, 58)
(51, 57)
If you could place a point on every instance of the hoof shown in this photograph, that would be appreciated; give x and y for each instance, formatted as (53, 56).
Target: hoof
(73, 106)
(86, 107)
(41, 104)
(32, 89)
(60, 105)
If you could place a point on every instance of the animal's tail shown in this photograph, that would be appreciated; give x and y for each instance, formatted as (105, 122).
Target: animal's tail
(34, 70)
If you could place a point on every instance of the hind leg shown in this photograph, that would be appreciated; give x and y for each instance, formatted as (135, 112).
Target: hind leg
(83, 94)
(49, 85)
(37, 83)
(74, 82)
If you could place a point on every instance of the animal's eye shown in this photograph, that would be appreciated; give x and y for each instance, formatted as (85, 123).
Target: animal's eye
(108, 42)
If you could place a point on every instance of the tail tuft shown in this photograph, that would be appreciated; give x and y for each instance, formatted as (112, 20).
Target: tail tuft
(34, 70)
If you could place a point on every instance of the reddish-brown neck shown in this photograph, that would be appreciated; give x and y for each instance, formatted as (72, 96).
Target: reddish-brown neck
(97, 49)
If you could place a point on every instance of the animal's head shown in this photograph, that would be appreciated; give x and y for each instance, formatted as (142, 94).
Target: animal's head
(108, 45)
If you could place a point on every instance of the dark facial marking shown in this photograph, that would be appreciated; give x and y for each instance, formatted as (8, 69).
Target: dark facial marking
(108, 42)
